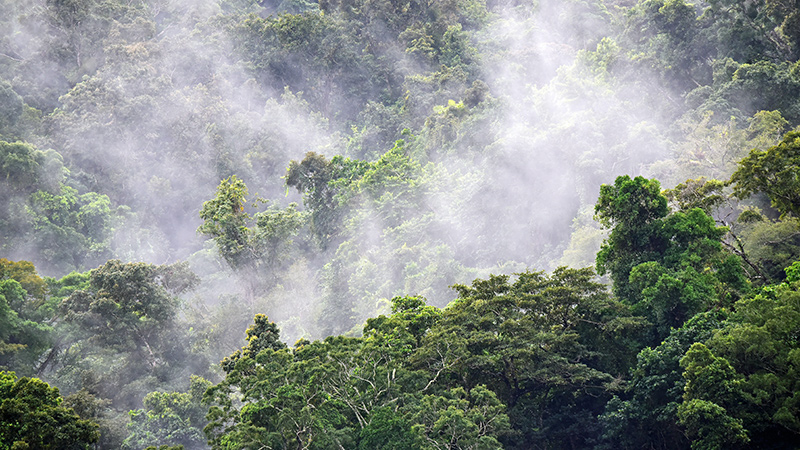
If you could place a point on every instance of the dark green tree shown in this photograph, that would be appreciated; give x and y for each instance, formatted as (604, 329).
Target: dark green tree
(544, 344)
(31, 417)
(633, 209)
(644, 415)
(748, 369)
(668, 266)
(773, 172)
(175, 418)
(22, 341)
(712, 389)
(273, 396)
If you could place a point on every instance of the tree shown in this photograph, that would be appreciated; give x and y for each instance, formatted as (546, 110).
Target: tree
(633, 209)
(277, 397)
(320, 181)
(457, 420)
(749, 366)
(773, 172)
(387, 430)
(226, 222)
(772, 245)
(12, 106)
(31, 416)
(125, 306)
(23, 336)
(347, 392)
(117, 337)
(22, 340)
(644, 415)
(19, 167)
(257, 246)
(712, 388)
(542, 344)
(25, 273)
(175, 418)
(668, 266)
(125, 322)
(72, 230)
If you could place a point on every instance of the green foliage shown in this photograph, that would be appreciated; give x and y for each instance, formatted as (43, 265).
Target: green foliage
(19, 166)
(290, 50)
(285, 396)
(175, 418)
(225, 221)
(712, 147)
(700, 193)
(634, 209)
(23, 338)
(369, 204)
(25, 273)
(31, 416)
(321, 181)
(685, 44)
(120, 333)
(712, 386)
(72, 230)
(734, 84)
(150, 104)
(243, 244)
(12, 106)
(117, 335)
(773, 172)
(387, 430)
(404, 329)
(793, 272)
(667, 36)
(759, 344)
(669, 267)
(645, 414)
(349, 392)
(60, 228)
(536, 343)
(457, 419)
(123, 305)
(710, 426)
(773, 245)
(734, 385)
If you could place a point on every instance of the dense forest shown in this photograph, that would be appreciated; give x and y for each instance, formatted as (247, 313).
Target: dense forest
(399, 224)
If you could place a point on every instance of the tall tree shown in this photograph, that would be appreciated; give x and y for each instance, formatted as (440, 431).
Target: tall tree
(256, 246)
(774, 172)
(125, 319)
(31, 416)
(544, 344)
(668, 266)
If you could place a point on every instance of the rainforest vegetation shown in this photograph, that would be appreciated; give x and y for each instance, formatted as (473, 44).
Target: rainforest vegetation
(399, 224)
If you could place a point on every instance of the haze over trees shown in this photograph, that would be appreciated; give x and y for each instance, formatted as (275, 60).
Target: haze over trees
(399, 224)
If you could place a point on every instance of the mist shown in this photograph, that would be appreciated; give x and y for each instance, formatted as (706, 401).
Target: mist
(311, 161)
(164, 104)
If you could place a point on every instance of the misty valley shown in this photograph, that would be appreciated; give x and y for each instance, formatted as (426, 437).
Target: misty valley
(399, 224)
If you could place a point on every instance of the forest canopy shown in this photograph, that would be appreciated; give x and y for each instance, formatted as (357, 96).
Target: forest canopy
(399, 224)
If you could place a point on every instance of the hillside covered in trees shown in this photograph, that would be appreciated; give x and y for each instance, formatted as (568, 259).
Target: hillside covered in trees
(399, 224)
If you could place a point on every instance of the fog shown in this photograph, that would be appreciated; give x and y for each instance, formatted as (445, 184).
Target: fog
(157, 103)
(313, 160)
